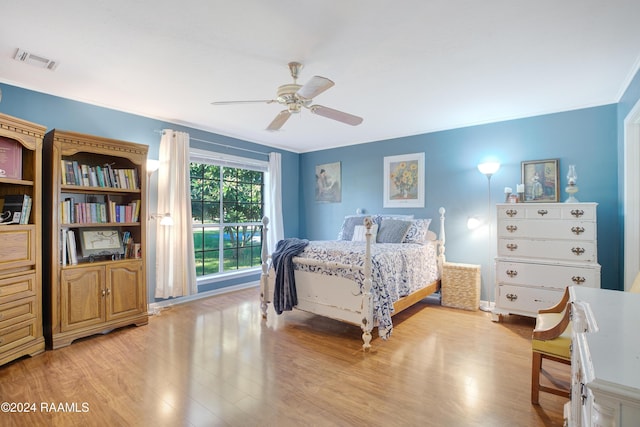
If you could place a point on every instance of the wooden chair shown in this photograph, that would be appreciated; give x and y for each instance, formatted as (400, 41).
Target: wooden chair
(551, 340)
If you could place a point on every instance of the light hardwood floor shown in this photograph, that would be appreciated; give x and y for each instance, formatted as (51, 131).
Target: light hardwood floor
(216, 362)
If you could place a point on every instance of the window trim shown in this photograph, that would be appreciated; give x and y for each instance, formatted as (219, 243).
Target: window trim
(197, 155)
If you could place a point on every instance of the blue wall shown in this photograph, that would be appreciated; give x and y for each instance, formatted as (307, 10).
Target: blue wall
(589, 138)
(55, 112)
(586, 138)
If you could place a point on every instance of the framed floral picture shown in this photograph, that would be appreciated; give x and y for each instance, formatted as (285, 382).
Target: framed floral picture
(541, 181)
(404, 181)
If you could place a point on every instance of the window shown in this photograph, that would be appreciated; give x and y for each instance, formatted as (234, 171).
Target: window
(227, 203)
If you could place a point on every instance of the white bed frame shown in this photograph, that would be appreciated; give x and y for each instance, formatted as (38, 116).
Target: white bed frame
(340, 298)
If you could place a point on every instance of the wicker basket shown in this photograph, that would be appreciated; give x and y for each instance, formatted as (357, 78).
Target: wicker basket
(461, 285)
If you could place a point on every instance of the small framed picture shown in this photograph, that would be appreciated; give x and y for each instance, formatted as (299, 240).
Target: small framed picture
(328, 183)
(541, 181)
(404, 185)
(100, 241)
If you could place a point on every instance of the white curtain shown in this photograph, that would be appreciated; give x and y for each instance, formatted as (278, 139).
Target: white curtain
(273, 202)
(175, 263)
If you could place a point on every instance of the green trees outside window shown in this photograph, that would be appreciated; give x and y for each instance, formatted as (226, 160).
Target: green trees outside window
(227, 206)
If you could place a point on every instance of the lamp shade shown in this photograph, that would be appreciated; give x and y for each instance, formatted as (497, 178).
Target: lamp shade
(152, 165)
(489, 168)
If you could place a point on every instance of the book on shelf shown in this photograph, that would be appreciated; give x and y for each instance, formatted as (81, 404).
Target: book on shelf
(15, 209)
(26, 210)
(62, 246)
(71, 247)
(105, 176)
(10, 158)
(130, 250)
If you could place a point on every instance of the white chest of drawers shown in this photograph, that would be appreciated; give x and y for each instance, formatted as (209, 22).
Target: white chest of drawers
(542, 249)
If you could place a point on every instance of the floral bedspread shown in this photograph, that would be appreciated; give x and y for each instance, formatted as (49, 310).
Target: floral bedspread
(397, 270)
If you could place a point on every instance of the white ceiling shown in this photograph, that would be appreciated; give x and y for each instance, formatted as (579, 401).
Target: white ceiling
(407, 67)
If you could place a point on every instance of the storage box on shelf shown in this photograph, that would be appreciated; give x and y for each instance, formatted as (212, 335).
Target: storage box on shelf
(542, 249)
(20, 232)
(461, 285)
(95, 198)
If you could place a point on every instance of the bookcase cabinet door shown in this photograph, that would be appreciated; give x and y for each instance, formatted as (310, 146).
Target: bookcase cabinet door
(125, 291)
(82, 295)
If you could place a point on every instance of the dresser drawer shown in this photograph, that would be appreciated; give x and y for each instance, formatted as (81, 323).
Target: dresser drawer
(547, 276)
(553, 229)
(17, 311)
(525, 299)
(18, 334)
(548, 211)
(548, 249)
(17, 287)
(18, 246)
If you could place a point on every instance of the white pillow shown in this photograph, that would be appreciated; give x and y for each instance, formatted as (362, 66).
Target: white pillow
(360, 232)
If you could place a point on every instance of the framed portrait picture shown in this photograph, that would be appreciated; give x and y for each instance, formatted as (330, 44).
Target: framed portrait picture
(328, 183)
(404, 181)
(541, 181)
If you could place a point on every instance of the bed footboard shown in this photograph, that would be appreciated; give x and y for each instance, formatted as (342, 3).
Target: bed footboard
(355, 308)
(360, 305)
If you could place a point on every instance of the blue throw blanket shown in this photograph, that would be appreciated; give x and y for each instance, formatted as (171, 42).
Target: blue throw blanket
(284, 292)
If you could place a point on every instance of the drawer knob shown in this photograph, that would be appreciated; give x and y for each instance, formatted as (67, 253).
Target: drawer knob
(577, 230)
(511, 212)
(542, 212)
(577, 212)
(512, 273)
(512, 228)
(578, 280)
(512, 246)
(512, 297)
(577, 251)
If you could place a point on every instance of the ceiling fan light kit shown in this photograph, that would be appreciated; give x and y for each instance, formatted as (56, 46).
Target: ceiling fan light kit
(295, 97)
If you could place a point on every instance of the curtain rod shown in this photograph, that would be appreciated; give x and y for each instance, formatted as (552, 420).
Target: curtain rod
(223, 145)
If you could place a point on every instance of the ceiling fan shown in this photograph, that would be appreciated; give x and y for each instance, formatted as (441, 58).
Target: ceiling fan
(295, 97)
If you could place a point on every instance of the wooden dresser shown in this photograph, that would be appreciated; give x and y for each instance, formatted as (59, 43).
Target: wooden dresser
(605, 360)
(542, 249)
(20, 257)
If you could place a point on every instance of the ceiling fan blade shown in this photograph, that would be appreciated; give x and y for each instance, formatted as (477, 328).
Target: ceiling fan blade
(280, 120)
(314, 87)
(340, 116)
(259, 101)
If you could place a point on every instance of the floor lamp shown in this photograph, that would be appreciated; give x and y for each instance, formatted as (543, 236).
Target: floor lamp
(488, 169)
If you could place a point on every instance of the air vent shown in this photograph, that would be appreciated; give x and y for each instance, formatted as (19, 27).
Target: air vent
(35, 60)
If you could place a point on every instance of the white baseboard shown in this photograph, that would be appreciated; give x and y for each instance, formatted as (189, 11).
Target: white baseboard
(487, 305)
(155, 307)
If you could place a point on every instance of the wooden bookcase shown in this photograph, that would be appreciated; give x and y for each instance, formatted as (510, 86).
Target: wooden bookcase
(20, 258)
(103, 286)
